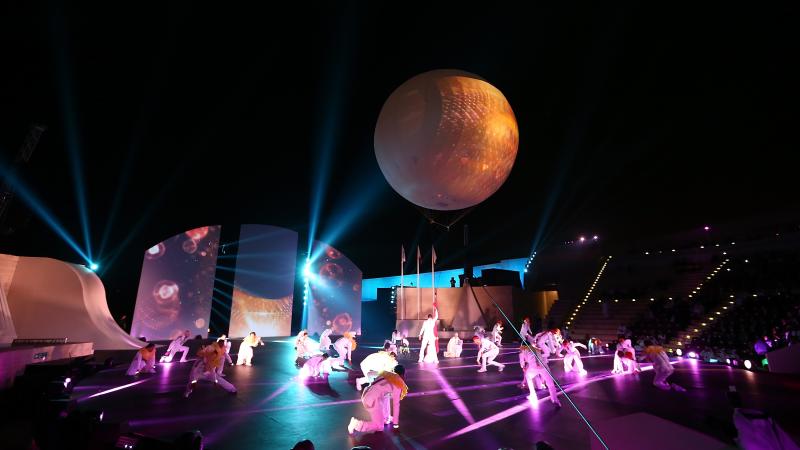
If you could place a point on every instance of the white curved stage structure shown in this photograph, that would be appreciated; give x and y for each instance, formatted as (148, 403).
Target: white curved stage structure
(48, 298)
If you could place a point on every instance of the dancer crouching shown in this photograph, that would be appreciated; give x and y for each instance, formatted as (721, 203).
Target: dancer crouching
(531, 368)
(572, 357)
(246, 349)
(389, 386)
(375, 363)
(661, 367)
(144, 360)
(210, 358)
(344, 347)
(487, 352)
(317, 366)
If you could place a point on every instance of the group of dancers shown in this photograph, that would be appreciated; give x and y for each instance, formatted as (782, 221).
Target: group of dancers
(382, 379)
(209, 364)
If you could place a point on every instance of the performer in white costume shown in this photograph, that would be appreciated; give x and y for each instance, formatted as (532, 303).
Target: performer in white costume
(487, 352)
(344, 346)
(661, 367)
(246, 349)
(531, 368)
(625, 357)
(374, 364)
(497, 332)
(525, 330)
(387, 390)
(177, 346)
(225, 343)
(317, 366)
(546, 342)
(454, 346)
(427, 337)
(572, 357)
(325, 340)
(144, 360)
(305, 346)
(210, 358)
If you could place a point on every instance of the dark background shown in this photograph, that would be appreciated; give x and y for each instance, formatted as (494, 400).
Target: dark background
(635, 121)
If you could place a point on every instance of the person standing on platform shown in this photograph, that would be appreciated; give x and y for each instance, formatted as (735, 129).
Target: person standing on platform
(531, 368)
(246, 349)
(427, 338)
(487, 352)
(388, 388)
(210, 358)
(344, 347)
(144, 360)
(177, 346)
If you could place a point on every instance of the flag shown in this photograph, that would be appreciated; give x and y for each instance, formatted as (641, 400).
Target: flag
(402, 254)
(433, 255)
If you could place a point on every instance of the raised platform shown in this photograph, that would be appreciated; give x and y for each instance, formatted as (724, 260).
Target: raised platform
(13, 359)
(449, 406)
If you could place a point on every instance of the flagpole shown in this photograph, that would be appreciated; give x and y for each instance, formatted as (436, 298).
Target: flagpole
(433, 275)
(402, 298)
(419, 290)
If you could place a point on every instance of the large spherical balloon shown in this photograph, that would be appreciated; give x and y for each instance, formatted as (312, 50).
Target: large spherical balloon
(446, 140)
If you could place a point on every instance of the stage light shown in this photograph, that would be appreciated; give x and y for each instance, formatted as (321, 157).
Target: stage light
(727, 361)
(679, 352)
(307, 269)
(706, 228)
(747, 364)
(692, 355)
(764, 362)
(93, 267)
(595, 237)
(713, 360)
(582, 238)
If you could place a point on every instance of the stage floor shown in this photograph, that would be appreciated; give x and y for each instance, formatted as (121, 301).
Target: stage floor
(448, 407)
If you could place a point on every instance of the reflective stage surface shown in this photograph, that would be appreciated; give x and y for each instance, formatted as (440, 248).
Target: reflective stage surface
(449, 406)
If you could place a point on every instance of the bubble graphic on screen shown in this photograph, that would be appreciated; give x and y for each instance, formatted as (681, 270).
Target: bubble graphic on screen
(189, 246)
(166, 292)
(199, 323)
(332, 273)
(155, 251)
(197, 233)
(333, 253)
(341, 323)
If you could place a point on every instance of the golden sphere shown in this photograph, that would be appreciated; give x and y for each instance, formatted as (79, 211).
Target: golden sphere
(446, 140)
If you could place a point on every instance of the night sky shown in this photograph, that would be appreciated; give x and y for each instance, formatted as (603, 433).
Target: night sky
(633, 122)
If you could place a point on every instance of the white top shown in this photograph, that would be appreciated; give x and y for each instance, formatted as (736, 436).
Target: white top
(397, 337)
(429, 325)
(525, 329)
(343, 344)
(486, 346)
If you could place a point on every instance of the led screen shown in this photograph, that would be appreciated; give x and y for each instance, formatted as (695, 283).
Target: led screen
(176, 284)
(334, 291)
(264, 281)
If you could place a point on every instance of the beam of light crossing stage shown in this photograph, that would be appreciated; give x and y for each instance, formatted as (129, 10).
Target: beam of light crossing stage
(546, 368)
(453, 396)
(108, 391)
(37, 206)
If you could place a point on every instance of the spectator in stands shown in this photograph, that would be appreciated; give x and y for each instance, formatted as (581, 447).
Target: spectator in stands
(452, 282)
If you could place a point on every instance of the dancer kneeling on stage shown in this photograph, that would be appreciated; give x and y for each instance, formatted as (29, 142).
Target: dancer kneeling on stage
(532, 368)
(177, 346)
(387, 390)
(572, 357)
(344, 346)
(487, 352)
(210, 358)
(625, 357)
(317, 366)
(246, 349)
(375, 363)
(144, 360)
(454, 346)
